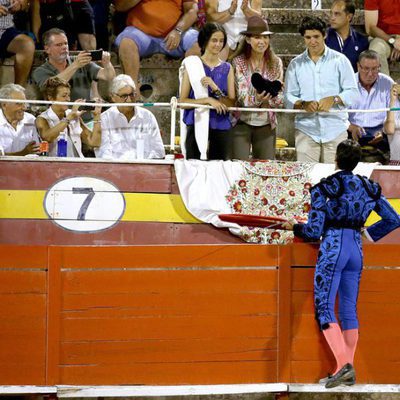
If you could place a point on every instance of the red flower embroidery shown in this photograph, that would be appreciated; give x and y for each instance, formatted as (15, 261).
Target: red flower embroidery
(307, 185)
(279, 212)
(275, 235)
(238, 206)
(282, 201)
(244, 190)
(256, 192)
(273, 207)
(292, 193)
(264, 201)
(285, 178)
(234, 193)
(242, 183)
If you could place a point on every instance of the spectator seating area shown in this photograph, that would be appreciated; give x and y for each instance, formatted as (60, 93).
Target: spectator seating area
(159, 74)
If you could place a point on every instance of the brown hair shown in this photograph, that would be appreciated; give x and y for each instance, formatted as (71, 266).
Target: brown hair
(270, 58)
(50, 87)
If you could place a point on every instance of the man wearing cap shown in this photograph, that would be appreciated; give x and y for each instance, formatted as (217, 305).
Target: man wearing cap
(319, 80)
(156, 26)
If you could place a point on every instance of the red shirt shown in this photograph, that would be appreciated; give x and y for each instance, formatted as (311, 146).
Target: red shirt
(389, 14)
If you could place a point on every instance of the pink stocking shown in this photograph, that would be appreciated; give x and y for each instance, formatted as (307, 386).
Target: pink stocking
(350, 337)
(334, 337)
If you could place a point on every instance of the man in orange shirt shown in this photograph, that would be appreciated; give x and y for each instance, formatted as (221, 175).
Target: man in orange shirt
(156, 26)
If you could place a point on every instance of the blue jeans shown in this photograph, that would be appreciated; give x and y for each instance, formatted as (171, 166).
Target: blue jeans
(149, 45)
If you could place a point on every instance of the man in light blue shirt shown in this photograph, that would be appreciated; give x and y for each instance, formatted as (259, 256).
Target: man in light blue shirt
(374, 92)
(318, 80)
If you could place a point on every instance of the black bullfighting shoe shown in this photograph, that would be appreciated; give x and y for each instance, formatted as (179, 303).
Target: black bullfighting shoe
(345, 376)
(323, 381)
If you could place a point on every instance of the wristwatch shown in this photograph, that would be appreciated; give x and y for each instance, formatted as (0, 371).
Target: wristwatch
(391, 40)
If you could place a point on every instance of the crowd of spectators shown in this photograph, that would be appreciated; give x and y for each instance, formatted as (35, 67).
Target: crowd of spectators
(336, 71)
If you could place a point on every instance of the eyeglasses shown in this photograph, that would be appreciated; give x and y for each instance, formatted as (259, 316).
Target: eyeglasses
(125, 97)
(368, 70)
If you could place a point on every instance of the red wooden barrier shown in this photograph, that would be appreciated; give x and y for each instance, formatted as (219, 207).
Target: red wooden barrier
(182, 315)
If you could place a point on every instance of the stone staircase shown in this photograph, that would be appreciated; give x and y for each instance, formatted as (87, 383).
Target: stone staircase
(159, 74)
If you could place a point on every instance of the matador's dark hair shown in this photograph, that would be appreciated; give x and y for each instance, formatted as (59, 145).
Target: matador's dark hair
(348, 154)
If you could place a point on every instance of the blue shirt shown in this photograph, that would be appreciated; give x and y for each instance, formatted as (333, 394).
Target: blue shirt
(355, 44)
(344, 200)
(377, 97)
(331, 75)
(219, 75)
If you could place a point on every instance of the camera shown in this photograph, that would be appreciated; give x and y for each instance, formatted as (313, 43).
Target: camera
(96, 55)
(88, 107)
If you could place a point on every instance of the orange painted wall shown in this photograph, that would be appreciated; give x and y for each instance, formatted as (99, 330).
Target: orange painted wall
(182, 315)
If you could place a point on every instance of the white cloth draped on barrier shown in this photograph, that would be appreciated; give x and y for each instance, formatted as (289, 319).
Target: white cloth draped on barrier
(267, 188)
(194, 67)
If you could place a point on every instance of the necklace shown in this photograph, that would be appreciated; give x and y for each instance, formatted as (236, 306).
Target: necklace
(257, 66)
(211, 63)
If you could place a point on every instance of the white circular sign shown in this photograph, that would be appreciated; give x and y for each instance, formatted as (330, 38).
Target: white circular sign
(84, 204)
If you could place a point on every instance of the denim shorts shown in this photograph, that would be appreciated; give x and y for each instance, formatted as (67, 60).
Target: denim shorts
(149, 45)
(6, 38)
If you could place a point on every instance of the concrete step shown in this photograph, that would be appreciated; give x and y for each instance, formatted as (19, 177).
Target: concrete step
(293, 16)
(303, 3)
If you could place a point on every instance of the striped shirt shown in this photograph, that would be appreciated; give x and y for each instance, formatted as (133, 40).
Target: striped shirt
(6, 21)
(377, 97)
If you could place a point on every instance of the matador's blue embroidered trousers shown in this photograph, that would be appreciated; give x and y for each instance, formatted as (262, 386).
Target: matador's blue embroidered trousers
(338, 271)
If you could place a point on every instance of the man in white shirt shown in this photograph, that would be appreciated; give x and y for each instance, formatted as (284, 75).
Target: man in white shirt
(18, 135)
(128, 132)
(374, 93)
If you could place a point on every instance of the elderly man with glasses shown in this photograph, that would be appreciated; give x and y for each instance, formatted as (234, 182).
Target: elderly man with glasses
(128, 132)
(374, 92)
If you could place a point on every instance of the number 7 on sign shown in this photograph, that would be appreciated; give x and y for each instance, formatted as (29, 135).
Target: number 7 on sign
(90, 194)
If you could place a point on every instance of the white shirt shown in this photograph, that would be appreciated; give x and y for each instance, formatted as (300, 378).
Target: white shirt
(6, 21)
(377, 97)
(119, 136)
(14, 140)
(236, 24)
(72, 134)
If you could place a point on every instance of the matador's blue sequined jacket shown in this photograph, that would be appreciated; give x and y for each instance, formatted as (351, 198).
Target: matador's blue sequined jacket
(345, 200)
